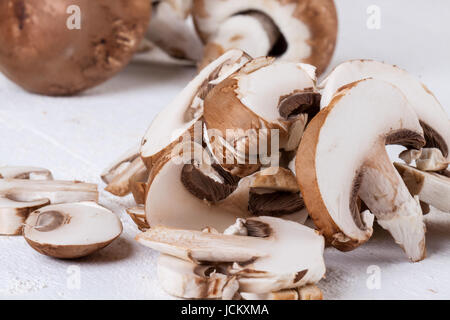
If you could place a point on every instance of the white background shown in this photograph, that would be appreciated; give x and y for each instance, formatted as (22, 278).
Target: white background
(78, 137)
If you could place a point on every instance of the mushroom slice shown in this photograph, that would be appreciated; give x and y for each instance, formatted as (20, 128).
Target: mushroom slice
(55, 191)
(431, 159)
(191, 186)
(308, 292)
(20, 172)
(179, 118)
(137, 214)
(172, 30)
(431, 188)
(188, 280)
(432, 116)
(263, 260)
(14, 213)
(118, 176)
(139, 186)
(242, 116)
(71, 230)
(275, 192)
(296, 30)
(342, 157)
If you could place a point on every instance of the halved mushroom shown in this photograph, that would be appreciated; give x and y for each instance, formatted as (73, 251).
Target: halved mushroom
(263, 261)
(185, 279)
(431, 188)
(137, 214)
(342, 158)
(308, 292)
(14, 213)
(172, 30)
(298, 30)
(55, 191)
(118, 175)
(432, 116)
(179, 118)
(246, 111)
(71, 230)
(21, 172)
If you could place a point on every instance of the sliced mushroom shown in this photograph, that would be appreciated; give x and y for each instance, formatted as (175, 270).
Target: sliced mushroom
(137, 214)
(20, 172)
(172, 30)
(276, 255)
(118, 176)
(431, 159)
(55, 191)
(71, 230)
(139, 186)
(14, 213)
(431, 188)
(342, 158)
(291, 30)
(180, 117)
(308, 292)
(432, 116)
(188, 280)
(242, 115)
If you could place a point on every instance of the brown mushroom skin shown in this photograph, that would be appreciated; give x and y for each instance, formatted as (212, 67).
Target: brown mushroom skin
(41, 54)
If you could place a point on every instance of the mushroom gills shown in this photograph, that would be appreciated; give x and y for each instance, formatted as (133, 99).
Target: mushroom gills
(71, 230)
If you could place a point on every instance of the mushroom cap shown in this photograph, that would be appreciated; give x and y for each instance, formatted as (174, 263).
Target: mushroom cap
(308, 26)
(432, 116)
(71, 230)
(337, 148)
(171, 123)
(22, 172)
(68, 61)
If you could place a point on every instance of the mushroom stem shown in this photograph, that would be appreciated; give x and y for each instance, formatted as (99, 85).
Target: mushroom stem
(387, 197)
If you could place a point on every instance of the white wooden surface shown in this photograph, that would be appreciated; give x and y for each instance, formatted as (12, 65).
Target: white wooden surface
(77, 137)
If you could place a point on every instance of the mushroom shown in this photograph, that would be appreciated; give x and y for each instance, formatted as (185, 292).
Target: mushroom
(432, 116)
(298, 30)
(171, 29)
(342, 158)
(71, 230)
(71, 59)
(137, 214)
(185, 279)
(118, 175)
(248, 110)
(179, 118)
(263, 261)
(14, 213)
(55, 191)
(21, 172)
(427, 159)
(431, 188)
(308, 292)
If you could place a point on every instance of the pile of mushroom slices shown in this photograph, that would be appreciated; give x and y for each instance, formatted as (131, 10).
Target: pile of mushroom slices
(299, 30)
(57, 218)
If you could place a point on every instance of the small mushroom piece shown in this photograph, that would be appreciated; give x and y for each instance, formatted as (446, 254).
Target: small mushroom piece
(139, 186)
(55, 191)
(14, 213)
(263, 261)
(298, 30)
(431, 188)
(172, 30)
(137, 214)
(71, 230)
(118, 176)
(20, 172)
(431, 159)
(179, 118)
(432, 117)
(308, 292)
(242, 114)
(188, 280)
(342, 158)
(86, 47)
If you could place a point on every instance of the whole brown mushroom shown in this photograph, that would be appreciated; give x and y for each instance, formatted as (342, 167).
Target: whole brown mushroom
(44, 51)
